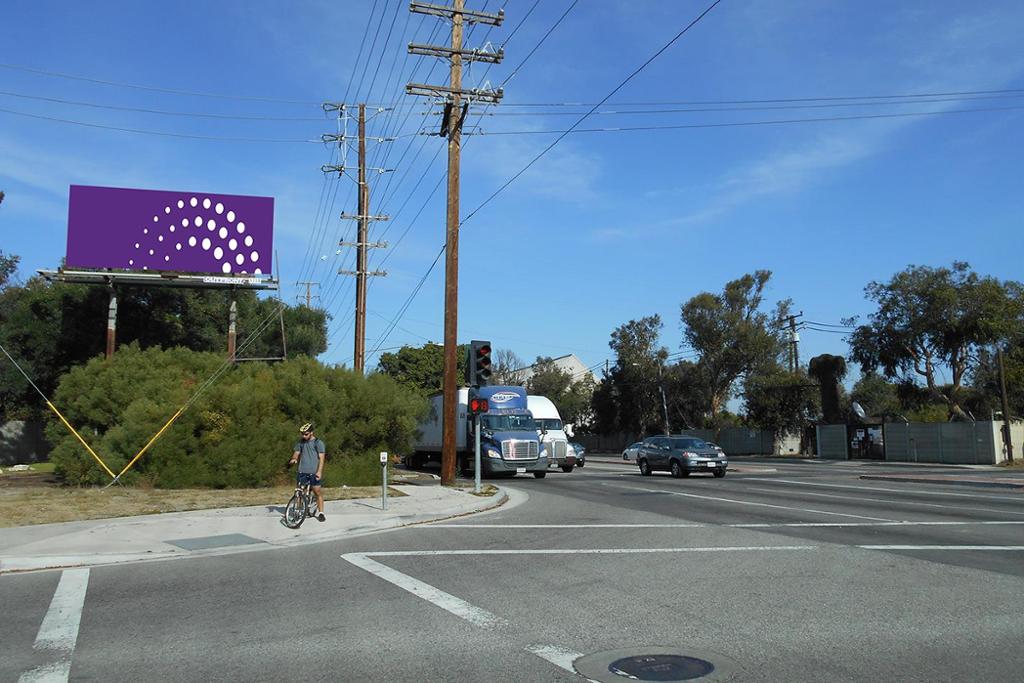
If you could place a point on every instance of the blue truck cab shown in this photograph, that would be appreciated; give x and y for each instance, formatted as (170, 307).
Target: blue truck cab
(509, 443)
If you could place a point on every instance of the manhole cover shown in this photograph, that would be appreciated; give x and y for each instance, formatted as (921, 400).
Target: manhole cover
(661, 667)
(656, 663)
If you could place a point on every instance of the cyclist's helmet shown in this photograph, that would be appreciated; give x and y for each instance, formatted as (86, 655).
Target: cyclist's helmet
(307, 427)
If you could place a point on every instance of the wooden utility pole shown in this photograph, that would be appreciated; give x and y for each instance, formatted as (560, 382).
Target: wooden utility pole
(363, 218)
(309, 284)
(112, 323)
(455, 112)
(1007, 437)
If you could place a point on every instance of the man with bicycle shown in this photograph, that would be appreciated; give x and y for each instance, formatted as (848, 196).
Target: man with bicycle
(310, 454)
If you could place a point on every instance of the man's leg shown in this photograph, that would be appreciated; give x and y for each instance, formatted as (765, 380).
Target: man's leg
(319, 499)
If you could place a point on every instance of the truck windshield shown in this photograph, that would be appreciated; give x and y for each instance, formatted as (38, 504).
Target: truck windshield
(508, 423)
(548, 424)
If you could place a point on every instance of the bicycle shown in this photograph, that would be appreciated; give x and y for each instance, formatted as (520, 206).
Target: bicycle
(301, 505)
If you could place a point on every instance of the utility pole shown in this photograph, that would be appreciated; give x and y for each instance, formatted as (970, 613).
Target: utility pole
(363, 218)
(309, 284)
(1007, 439)
(455, 112)
(794, 340)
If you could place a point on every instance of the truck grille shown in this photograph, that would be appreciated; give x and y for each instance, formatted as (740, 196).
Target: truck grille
(558, 449)
(519, 450)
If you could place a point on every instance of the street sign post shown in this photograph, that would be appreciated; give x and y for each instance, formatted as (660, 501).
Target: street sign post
(384, 480)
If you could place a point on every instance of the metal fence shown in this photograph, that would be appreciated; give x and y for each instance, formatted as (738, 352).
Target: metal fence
(22, 443)
(954, 443)
(832, 442)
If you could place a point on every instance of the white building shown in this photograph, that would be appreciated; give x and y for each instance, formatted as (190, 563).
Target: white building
(568, 363)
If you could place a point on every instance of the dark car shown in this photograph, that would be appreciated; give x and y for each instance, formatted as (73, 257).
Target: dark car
(680, 455)
(581, 453)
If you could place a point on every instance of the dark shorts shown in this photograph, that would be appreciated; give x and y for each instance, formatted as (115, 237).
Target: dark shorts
(308, 478)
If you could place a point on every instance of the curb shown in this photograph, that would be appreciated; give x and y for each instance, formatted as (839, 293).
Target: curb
(952, 482)
(13, 565)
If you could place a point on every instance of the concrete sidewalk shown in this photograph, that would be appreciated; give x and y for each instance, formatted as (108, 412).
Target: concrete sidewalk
(215, 532)
(994, 480)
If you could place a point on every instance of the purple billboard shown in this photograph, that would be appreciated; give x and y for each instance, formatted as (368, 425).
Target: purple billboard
(111, 227)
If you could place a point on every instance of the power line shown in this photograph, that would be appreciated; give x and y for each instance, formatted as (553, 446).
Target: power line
(582, 118)
(702, 110)
(160, 133)
(732, 124)
(151, 88)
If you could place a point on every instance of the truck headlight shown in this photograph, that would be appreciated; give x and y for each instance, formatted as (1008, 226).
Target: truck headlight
(492, 453)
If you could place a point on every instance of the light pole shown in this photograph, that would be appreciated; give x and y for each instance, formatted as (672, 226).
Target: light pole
(661, 389)
(664, 403)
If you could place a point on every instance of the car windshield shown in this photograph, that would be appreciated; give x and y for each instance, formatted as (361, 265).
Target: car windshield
(509, 423)
(689, 443)
(548, 423)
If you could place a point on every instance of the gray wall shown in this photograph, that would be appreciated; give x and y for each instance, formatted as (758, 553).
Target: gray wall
(832, 442)
(22, 442)
(952, 443)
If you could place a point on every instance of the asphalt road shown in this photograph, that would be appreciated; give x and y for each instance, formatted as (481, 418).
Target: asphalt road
(789, 571)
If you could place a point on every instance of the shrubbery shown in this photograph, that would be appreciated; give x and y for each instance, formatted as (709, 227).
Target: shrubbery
(238, 433)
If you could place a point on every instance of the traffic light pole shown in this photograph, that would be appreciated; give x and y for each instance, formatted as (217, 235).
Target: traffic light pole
(476, 457)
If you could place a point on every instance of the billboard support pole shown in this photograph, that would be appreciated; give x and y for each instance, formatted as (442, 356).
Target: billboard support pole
(112, 322)
(232, 318)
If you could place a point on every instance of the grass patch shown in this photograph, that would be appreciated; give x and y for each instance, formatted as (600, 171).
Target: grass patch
(1017, 464)
(24, 506)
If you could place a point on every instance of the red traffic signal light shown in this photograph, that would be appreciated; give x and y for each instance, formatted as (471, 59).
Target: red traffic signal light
(478, 369)
(478, 405)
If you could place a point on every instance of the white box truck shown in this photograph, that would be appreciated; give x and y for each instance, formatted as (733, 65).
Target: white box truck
(552, 433)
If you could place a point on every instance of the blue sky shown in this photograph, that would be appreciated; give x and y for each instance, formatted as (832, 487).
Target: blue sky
(608, 226)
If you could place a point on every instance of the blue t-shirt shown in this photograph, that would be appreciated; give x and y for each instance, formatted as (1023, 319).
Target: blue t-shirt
(309, 455)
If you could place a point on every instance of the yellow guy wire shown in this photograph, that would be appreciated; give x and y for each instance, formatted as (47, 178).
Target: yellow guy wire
(146, 447)
(78, 436)
(57, 412)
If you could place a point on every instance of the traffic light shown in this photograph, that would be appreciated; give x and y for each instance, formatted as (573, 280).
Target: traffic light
(478, 406)
(478, 369)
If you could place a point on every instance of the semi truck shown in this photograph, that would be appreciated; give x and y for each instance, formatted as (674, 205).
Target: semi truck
(509, 443)
(552, 433)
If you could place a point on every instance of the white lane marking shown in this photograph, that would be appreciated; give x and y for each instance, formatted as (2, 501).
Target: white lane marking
(752, 503)
(59, 630)
(941, 547)
(694, 525)
(58, 672)
(916, 492)
(890, 501)
(445, 601)
(559, 656)
(580, 551)
(741, 525)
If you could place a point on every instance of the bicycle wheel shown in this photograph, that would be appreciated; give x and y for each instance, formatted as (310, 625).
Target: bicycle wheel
(295, 511)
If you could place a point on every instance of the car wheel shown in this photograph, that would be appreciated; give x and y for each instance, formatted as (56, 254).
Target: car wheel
(720, 473)
(645, 468)
(541, 474)
(567, 468)
(677, 469)
(580, 463)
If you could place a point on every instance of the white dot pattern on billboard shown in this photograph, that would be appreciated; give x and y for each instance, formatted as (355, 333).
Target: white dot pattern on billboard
(215, 240)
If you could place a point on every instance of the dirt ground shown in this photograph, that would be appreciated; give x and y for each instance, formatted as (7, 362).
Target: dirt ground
(28, 498)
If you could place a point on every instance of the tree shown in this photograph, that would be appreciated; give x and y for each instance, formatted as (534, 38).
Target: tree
(731, 333)
(628, 398)
(687, 394)
(877, 396)
(780, 401)
(829, 370)
(422, 367)
(8, 267)
(572, 398)
(508, 368)
(929, 318)
(51, 328)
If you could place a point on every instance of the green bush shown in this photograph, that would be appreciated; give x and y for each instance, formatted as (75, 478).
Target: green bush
(239, 432)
